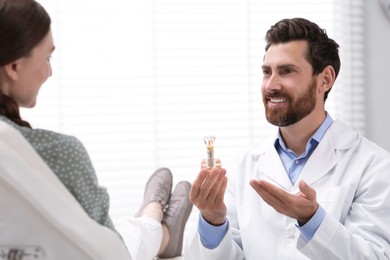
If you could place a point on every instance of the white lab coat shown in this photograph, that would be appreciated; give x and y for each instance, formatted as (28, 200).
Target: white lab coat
(351, 176)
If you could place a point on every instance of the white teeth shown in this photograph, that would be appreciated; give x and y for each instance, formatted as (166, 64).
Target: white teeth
(273, 100)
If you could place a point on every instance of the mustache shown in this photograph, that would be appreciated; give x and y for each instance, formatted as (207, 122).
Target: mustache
(276, 94)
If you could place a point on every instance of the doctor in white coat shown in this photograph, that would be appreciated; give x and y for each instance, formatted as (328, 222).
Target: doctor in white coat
(314, 190)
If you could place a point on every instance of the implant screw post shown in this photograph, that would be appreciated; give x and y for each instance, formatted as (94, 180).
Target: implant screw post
(209, 142)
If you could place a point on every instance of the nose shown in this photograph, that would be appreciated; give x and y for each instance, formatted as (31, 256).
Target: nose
(271, 83)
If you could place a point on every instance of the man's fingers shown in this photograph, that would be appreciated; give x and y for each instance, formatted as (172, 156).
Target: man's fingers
(265, 191)
(203, 164)
(275, 191)
(217, 163)
(307, 192)
(221, 192)
(217, 187)
(267, 195)
(197, 184)
(209, 182)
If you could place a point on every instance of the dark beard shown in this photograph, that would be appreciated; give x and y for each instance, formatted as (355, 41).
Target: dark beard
(297, 110)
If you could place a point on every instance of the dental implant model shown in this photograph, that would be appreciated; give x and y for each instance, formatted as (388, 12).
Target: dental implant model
(209, 142)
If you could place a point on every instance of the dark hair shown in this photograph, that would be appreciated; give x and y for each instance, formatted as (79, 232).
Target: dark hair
(23, 24)
(322, 51)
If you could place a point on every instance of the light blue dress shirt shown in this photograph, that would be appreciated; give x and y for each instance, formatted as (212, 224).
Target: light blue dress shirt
(211, 236)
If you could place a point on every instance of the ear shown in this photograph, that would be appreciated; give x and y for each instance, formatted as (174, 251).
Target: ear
(12, 69)
(327, 78)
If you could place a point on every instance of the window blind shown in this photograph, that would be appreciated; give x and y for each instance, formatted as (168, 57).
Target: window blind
(140, 82)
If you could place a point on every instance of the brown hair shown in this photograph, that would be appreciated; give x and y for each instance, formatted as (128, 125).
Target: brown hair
(23, 24)
(322, 51)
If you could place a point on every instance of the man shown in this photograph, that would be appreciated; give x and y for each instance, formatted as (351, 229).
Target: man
(314, 190)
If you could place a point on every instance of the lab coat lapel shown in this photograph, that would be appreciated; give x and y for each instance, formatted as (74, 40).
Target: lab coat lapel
(272, 168)
(338, 137)
(324, 158)
(320, 162)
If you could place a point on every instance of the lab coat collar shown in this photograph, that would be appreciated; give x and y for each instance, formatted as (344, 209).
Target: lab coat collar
(339, 136)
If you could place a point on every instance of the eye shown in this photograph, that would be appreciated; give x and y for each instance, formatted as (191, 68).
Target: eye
(266, 72)
(286, 71)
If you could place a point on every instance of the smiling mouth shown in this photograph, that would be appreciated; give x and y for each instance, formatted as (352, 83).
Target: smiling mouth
(277, 100)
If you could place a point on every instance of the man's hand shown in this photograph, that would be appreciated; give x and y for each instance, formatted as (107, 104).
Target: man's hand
(301, 206)
(208, 191)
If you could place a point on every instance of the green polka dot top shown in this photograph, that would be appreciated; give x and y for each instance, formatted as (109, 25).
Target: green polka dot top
(69, 160)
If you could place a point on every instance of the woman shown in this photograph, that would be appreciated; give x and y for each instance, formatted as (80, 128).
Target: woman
(26, 46)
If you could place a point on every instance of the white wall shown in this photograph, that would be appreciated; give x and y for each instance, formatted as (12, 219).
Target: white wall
(377, 51)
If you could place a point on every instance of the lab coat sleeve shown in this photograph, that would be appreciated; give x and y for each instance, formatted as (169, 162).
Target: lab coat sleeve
(227, 249)
(365, 233)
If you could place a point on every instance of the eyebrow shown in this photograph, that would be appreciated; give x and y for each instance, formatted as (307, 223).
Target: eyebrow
(283, 66)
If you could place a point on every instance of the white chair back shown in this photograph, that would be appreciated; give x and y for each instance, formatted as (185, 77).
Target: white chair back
(39, 218)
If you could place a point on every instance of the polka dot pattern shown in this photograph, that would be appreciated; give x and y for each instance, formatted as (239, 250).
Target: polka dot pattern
(69, 160)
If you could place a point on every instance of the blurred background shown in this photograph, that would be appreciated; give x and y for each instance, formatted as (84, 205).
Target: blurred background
(141, 82)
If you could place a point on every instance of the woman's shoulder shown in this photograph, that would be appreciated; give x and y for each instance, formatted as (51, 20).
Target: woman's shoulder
(43, 137)
(53, 146)
(47, 136)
